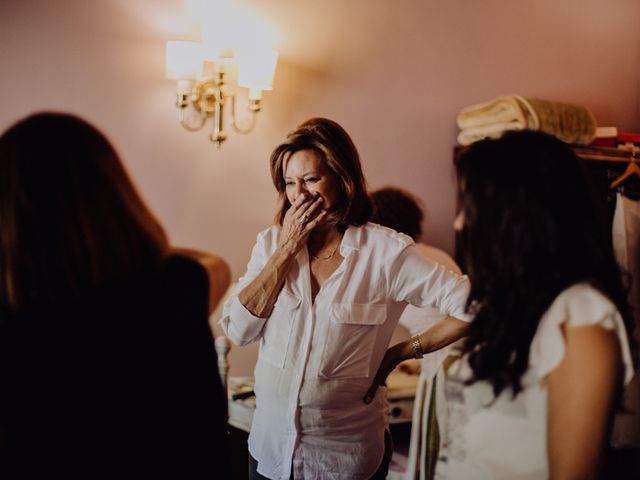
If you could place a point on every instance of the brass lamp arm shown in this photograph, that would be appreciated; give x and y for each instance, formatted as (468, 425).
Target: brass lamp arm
(252, 118)
(185, 124)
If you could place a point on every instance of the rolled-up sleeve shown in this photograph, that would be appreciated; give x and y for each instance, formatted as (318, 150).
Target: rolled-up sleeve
(424, 283)
(238, 323)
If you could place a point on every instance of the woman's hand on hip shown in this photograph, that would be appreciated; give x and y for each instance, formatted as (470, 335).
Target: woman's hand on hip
(392, 357)
(303, 216)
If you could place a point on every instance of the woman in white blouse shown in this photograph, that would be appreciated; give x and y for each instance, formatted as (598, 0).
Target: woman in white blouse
(547, 352)
(323, 292)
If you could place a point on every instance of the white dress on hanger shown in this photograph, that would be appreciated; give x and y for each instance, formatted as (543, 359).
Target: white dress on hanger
(626, 244)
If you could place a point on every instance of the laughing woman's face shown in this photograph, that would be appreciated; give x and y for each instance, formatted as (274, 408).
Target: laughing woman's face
(306, 173)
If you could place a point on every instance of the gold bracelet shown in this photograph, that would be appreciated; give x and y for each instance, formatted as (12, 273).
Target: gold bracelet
(417, 347)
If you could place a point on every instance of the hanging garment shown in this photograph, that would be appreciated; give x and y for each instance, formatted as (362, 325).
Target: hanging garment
(626, 244)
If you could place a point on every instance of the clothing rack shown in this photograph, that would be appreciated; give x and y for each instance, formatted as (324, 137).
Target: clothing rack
(606, 164)
(605, 154)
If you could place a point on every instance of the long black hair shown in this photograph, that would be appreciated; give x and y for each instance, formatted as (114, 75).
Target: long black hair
(532, 228)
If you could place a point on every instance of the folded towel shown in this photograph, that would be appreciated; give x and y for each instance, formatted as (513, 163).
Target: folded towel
(568, 122)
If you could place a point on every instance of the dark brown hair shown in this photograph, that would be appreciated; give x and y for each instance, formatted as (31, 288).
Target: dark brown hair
(71, 218)
(397, 209)
(334, 146)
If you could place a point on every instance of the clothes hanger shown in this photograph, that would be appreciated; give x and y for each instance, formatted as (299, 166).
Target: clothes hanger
(632, 168)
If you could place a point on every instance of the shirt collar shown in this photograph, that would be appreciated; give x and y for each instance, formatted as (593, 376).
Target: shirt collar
(351, 240)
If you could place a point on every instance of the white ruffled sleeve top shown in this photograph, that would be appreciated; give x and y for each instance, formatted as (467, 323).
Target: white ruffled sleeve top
(507, 438)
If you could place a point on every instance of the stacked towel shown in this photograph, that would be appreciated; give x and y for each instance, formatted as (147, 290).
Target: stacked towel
(568, 122)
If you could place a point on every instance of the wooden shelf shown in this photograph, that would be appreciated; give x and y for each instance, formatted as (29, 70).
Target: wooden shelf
(595, 154)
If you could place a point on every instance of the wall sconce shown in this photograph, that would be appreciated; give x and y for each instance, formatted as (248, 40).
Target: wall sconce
(202, 84)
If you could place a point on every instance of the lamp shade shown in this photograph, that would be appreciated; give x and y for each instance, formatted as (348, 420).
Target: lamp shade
(183, 60)
(256, 68)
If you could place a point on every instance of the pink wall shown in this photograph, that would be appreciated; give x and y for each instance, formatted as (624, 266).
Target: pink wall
(395, 74)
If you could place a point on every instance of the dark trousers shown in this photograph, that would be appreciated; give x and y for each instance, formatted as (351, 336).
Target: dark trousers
(380, 474)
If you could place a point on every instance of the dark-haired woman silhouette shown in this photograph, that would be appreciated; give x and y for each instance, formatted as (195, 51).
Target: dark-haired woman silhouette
(107, 362)
(547, 352)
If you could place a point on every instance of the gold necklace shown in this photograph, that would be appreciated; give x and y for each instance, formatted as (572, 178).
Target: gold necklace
(333, 252)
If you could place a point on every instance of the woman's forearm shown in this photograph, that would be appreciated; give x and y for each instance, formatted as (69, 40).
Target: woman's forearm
(259, 296)
(302, 217)
(439, 335)
(443, 333)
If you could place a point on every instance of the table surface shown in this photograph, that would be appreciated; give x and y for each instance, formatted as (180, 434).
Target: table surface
(401, 389)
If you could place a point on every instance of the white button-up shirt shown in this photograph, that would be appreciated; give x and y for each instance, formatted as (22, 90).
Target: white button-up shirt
(317, 359)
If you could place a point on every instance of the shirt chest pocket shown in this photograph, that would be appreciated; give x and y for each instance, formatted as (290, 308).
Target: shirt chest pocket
(351, 339)
(277, 330)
